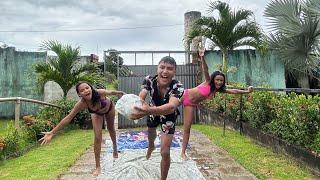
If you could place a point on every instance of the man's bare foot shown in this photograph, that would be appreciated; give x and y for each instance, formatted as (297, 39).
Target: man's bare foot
(96, 172)
(115, 154)
(184, 156)
(149, 152)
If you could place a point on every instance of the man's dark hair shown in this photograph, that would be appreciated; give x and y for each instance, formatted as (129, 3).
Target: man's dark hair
(169, 60)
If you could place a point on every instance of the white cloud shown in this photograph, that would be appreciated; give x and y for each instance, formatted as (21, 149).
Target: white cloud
(104, 14)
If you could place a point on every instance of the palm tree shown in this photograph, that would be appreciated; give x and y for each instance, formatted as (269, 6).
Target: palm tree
(295, 36)
(65, 69)
(230, 30)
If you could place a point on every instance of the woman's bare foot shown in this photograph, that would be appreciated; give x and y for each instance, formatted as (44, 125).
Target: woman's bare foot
(149, 151)
(184, 156)
(96, 172)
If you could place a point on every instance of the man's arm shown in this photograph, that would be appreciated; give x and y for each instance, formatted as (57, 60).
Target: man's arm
(143, 94)
(166, 108)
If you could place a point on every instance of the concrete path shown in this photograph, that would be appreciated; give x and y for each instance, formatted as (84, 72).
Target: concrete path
(212, 161)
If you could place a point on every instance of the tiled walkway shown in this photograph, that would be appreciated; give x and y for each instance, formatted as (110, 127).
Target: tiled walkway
(212, 161)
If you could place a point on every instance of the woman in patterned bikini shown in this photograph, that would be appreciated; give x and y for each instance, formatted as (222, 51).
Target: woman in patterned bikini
(100, 106)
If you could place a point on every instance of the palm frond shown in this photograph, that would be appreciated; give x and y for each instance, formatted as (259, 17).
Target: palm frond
(222, 7)
(284, 15)
(314, 7)
(65, 68)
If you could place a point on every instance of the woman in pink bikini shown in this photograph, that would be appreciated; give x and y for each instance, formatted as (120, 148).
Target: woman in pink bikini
(192, 97)
(100, 106)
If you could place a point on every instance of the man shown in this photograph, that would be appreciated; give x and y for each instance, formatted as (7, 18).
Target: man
(165, 93)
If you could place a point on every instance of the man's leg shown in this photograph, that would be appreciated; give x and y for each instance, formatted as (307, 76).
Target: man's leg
(152, 134)
(166, 140)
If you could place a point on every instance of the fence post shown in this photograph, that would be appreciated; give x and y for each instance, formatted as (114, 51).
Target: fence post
(240, 116)
(104, 64)
(225, 114)
(17, 112)
(152, 57)
(118, 68)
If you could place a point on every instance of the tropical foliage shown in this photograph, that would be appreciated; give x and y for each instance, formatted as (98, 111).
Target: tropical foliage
(111, 63)
(231, 29)
(293, 118)
(295, 35)
(65, 68)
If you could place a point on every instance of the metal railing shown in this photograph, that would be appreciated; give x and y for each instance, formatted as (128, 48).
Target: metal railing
(17, 108)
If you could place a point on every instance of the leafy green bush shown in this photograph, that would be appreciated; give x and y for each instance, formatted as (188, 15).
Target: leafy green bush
(16, 142)
(229, 104)
(297, 119)
(293, 118)
(258, 110)
(316, 144)
(55, 115)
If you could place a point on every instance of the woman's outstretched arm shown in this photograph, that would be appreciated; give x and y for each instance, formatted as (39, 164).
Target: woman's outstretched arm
(66, 120)
(105, 92)
(204, 65)
(239, 91)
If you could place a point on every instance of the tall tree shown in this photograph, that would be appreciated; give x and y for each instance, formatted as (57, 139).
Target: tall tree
(295, 36)
(231, 29)
(65, 69)
(111, 62)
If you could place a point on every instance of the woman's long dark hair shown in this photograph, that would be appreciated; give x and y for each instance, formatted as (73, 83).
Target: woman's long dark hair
(212, 86)
(95, 95)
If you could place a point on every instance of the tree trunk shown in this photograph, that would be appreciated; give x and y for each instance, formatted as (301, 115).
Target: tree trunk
(303, 80)
(225, 63)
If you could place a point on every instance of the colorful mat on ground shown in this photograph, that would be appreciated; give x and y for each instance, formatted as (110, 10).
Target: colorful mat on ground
(139, 140)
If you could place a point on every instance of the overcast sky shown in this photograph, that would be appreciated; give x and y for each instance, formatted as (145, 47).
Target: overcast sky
(123, 24)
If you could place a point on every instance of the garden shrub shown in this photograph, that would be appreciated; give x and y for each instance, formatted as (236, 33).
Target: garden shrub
(316, 144)
(293, 118)
(16, 141)
(55, 115)
(258, 109)
(297, 119)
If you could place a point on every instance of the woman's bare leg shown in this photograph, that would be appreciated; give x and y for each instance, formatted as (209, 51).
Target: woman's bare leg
(110, 126)
(187, 121)
(97, 129)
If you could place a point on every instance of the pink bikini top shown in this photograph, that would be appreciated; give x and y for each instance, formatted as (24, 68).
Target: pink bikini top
(204, 89)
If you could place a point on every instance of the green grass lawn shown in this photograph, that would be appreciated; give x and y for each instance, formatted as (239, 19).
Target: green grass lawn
(49, 161)
(261, 161)
(3, 126)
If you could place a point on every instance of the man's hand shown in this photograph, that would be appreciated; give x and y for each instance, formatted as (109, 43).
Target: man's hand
(250, 89)
(140, 111)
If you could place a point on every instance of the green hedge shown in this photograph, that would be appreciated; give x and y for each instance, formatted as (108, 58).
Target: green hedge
(16, 141)
(293, 118)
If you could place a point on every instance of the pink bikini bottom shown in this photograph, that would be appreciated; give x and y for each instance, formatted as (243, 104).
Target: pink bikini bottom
(186, 100)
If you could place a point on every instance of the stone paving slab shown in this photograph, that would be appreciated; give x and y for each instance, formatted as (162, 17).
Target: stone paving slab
(214, 162)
